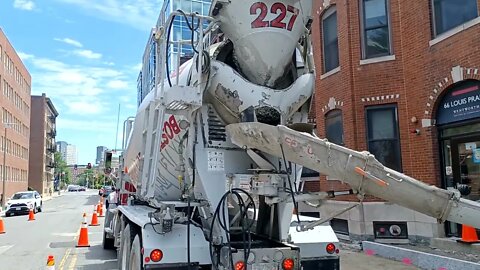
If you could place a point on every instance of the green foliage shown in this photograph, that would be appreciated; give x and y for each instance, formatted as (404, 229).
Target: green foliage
(61, 166)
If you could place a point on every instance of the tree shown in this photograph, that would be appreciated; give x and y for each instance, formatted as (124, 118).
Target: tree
(61, 167)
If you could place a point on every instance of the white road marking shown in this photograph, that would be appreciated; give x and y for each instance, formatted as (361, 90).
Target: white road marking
(5, 248)
(65, 234)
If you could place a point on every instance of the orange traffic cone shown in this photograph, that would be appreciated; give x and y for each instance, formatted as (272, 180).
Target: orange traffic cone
(100, 212)
(50, 263)
(469, 235)
(94, 219)
(31, 215)
(2, 228)
(83, 237)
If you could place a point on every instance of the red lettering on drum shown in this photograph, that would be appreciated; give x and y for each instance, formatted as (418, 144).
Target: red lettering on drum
(170, 129)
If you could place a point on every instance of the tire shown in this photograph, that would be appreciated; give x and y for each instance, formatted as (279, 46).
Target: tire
(8, 214)
(135, 260)
(123, 254)
(39, 208)
(35, 208)
(108, 243)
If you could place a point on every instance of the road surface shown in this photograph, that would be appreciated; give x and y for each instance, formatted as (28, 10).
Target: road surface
(27, 244)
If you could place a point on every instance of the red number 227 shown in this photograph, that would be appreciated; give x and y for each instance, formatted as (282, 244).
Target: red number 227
(277, 8)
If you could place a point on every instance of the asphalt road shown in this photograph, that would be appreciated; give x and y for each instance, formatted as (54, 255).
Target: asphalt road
(27, 244)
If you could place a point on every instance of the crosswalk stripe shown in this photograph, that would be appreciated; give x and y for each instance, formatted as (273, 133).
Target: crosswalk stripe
(5, 248)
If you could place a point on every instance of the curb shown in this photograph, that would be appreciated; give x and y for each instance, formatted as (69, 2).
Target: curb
(417, 258)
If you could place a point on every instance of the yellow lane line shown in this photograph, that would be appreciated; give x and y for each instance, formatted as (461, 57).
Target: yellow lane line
(67, 254)
(64, 259)
(73, 262)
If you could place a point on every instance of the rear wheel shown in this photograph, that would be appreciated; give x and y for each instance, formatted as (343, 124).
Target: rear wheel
(40, 208)
(35, 208)
(135, 255)
(123, 254)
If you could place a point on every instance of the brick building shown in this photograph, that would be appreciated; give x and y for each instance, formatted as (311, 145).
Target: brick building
(15, 82)
(401, 80)
(42, 145)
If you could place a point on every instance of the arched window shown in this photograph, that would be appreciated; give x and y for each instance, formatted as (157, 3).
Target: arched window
(334, 126)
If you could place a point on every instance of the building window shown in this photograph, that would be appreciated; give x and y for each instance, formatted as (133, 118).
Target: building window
(448, 14)
(382, 135)
(376, 30)
(330, 40)
(334, 126)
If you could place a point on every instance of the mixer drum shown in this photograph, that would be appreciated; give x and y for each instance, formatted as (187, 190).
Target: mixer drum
(264, 34)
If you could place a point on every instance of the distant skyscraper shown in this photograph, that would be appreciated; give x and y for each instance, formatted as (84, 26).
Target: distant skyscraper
(100, 156)
(68, 151)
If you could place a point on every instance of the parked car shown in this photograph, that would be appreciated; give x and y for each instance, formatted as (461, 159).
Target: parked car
(81, 188)
(105, 191)
(73, 188)
(22, 202)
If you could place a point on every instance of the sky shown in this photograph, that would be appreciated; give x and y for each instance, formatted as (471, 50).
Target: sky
(85, 55)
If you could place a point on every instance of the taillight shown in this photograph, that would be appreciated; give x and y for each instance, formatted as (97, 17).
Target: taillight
(240, 265)
(147, 259)
(288, 264)
(330, 248)
(156, 255)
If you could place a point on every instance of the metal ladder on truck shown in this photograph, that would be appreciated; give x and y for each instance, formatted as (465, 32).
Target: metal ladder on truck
(180, 99)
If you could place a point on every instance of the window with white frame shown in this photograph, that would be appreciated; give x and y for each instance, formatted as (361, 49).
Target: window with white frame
(330, 40)
(375, 29)
(448, 14)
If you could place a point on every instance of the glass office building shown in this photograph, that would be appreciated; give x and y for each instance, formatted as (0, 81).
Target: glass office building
(179, 31)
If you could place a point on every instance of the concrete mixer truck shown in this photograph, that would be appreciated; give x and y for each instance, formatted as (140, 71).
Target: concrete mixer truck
(207, 178)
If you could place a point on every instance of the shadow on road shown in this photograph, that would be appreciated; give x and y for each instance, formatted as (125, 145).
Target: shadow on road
(92, 200)
(66, 244)
(108, 265)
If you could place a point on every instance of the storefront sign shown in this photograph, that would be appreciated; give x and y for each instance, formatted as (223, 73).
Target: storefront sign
(461, 103)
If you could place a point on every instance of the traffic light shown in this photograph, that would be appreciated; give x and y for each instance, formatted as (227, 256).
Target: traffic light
(89, 165)
(108, 162)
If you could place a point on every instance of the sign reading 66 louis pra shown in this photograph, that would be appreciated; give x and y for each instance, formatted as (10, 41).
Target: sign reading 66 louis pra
(462, 102)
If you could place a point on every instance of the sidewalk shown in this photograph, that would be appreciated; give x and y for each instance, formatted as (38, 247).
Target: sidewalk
(54, 195)
(426, 257)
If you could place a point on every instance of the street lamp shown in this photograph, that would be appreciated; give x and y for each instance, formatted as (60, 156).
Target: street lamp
(4, 172)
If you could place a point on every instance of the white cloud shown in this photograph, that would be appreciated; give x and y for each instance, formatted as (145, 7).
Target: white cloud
(24, 4)
(137, 67)
(86, 124)
(140, 14)
(86, 106)
(88, 54)
(117, 84)
(25, 56)
(69, 41)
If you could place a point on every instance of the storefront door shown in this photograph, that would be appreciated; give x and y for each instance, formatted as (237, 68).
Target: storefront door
(461, 160)
(466, 164)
